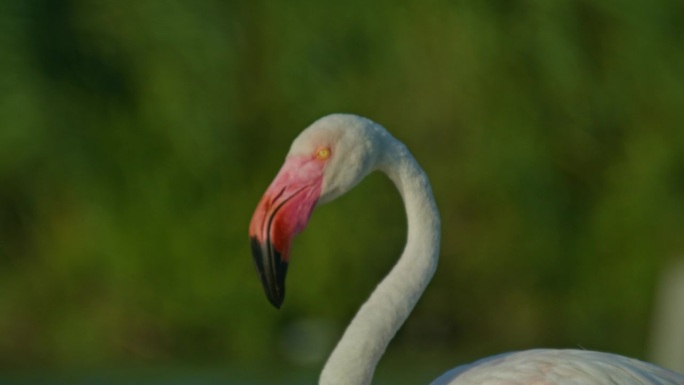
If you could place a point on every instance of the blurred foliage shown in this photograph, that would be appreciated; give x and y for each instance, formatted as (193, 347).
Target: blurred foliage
(137, 137)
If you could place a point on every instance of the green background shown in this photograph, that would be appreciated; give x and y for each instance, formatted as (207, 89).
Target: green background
(136, 138)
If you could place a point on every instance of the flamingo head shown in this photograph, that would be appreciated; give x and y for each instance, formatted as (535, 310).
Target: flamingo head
(325, 161)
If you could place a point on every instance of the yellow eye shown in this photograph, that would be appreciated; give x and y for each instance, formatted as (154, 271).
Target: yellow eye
(323, 153)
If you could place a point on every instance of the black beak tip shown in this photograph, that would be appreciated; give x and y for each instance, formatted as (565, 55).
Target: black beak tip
(272, 270)
(277, 302)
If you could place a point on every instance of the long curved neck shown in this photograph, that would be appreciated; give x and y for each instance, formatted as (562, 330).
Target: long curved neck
(354, 359)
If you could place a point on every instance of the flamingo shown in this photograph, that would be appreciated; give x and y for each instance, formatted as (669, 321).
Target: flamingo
(328, 159)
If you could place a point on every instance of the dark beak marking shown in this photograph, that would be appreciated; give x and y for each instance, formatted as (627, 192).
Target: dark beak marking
(268, 260)
(273, 274)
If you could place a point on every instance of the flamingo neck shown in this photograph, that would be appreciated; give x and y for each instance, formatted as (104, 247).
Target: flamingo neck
(364, 341)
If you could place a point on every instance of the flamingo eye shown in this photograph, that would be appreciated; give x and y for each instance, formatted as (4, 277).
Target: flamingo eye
(322, 153)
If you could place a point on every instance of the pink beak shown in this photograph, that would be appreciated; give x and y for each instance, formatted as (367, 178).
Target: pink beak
(282, 213)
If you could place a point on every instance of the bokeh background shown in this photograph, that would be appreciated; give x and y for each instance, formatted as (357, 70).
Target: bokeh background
(137, 137)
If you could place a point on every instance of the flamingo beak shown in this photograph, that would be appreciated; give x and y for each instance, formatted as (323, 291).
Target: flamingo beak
(282, 213)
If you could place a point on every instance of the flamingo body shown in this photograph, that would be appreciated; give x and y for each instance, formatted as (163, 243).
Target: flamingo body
(559, 367)
(328, 159)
